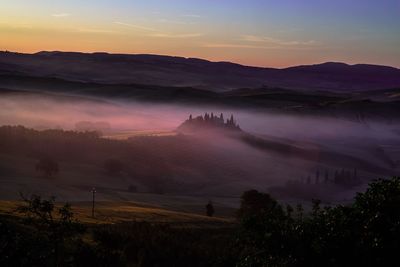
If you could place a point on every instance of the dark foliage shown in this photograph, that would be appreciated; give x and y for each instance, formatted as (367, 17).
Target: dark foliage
(113, 166)
(48, 167)
(144, 244)
(210, 209)
(365, 233)
(47, 235)
(132, 189)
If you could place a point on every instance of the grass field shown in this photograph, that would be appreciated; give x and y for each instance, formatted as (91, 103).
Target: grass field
(112, 212)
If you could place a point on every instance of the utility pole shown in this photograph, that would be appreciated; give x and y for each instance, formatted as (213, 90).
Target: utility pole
(94, 195)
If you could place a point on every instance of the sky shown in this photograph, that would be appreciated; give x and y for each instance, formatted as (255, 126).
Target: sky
(270, 33)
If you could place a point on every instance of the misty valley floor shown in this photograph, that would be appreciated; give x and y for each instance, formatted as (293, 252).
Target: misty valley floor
(293, 144)
(193, 170)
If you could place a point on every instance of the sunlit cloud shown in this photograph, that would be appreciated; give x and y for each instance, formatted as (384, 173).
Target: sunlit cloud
(255, 46)
(265, 39)
(61, 15)
(139, 27)
(89, 30)
(230, 45)
(171, 35)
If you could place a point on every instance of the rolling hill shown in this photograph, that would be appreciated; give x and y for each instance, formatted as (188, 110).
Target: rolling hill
(170, 71)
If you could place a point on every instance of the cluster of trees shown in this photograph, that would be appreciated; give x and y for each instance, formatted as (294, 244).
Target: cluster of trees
(268, 233)
(48, 167)
(211, 119)
(320, 186)
(347, 178)
(343, 178)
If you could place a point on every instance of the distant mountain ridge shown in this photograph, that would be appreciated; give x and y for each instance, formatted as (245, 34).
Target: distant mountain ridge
(340, 66)
(159, 70)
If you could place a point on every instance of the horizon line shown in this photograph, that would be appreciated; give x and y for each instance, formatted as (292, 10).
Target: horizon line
(198, 58)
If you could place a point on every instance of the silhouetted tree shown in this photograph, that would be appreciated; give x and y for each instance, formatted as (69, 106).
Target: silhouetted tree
(261, 218)
(56, 224)
(231, 120)
(300, 211)
(132, 188)
(113, 166)
(326, 177)
(210, 209)
(48, 167)
(254, 203)
(317, 177)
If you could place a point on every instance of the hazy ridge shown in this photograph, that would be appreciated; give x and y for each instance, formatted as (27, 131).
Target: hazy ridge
(197, 73)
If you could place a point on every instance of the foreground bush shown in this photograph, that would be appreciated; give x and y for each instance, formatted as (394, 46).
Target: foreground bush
(365, 233)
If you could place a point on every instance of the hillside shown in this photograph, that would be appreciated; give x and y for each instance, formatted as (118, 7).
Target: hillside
(158, 70)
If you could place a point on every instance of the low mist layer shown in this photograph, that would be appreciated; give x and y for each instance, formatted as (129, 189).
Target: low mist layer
(65, 112)
(275, 150)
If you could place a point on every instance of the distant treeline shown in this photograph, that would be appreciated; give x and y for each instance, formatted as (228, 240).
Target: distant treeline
(320, 186)
(112, 157)
(345, 178)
